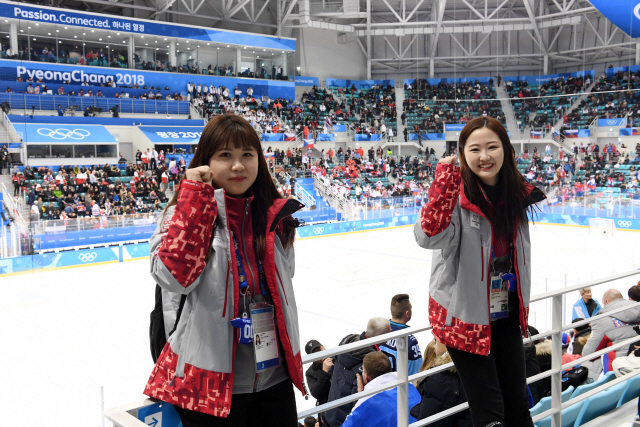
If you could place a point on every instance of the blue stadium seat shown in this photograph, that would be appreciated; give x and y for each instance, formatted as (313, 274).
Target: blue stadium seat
(631, 392)
(586, 387)
(600, 404)
(569, 416)
(545, 402)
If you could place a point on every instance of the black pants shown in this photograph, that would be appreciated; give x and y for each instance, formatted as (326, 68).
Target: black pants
(496, 385)
(273, 407)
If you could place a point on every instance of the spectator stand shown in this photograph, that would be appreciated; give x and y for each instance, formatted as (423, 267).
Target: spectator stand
(591, 407)
(429, 103)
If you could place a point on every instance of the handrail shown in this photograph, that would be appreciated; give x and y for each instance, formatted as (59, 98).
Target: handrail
(401, 338)
(25, 102)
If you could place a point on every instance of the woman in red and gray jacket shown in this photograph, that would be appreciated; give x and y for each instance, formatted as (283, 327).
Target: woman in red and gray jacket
(226, 242)
(476, 223)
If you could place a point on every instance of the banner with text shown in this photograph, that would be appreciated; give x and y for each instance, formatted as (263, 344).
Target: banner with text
(59, 73)
(140, 26)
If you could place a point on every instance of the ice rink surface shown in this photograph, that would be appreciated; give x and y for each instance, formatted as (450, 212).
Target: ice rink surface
(68, 332)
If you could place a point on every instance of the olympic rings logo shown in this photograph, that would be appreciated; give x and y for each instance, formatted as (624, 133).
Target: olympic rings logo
(624, 224)
(612, 122)
(318, 230)
(62, 133)
(88, 257)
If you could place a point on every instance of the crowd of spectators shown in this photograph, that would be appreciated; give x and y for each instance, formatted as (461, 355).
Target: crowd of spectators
(540, 99)
(605, 102)
(426, 107)
(606, 167)
(337, 377)
(100, 190)
(103, 57)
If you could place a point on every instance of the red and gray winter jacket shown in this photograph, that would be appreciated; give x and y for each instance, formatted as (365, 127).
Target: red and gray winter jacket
(461, 238)
(196, 367)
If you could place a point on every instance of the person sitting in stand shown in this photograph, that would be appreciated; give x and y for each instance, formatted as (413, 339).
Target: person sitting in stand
(586, 306)
(379, 410)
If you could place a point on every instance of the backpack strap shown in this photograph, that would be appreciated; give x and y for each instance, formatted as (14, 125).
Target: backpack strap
(183, 298)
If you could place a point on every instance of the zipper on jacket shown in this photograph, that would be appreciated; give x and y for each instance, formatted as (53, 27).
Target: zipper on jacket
(282, 286)
(226, 288)
(482, 258)
(244, 246)
(524, 258)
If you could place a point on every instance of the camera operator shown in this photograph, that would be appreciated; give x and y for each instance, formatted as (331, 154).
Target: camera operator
(319, 376)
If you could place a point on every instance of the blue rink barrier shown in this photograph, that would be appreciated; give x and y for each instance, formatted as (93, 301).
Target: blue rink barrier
(67, 259)
(93, 237)
(123, 253)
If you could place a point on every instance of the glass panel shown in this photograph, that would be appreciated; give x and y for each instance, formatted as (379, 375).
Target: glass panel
(85, 151)
(62, 151)
(106, 150)
(38, 151)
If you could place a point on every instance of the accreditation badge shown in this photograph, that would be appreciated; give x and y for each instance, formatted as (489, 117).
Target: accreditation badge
(265, 338)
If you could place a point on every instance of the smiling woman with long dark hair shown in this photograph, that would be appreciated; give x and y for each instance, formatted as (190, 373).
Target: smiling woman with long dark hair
(477, 223)
(226, 242)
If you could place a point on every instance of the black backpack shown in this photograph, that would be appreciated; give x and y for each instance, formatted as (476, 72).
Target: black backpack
(157, 336)
(575, 377)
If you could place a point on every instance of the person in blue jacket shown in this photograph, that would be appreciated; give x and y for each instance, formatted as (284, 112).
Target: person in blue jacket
(60, 110)
(401, 315)
(379, 410)
(586, 306)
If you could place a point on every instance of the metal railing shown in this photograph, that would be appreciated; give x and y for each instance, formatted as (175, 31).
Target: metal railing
(78, 104)
(56, 226)
(126, 415)
(303, 195)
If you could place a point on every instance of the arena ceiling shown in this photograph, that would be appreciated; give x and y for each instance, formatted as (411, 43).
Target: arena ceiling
(425, 36)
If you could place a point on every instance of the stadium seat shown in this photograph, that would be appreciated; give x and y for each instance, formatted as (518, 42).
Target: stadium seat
(586, 387)
(569, 416)
(600, 404)
(631, 391)
(545, 402)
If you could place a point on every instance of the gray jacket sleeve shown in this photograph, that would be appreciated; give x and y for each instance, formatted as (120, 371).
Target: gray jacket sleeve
(597, 340)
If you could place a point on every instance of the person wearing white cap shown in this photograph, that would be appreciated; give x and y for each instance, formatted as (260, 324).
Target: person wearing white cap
(586, 306)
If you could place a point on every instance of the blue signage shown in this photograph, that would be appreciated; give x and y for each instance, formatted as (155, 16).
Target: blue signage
(545, 78)
(612, 71)
(428, 136)
(106, 121)
(365, 137)
(435, 82)
(56, 134)
(306, 81)
(612, 122)
(140, 26)
(58, 73)
(326, 137)
(170, 135)
(359, 84)
(453, 128)
(273, 137)
(625, 14)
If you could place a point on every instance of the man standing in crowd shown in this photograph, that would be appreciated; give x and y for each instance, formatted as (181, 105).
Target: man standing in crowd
(319, 376)
(347, 365)
(4, 158)
(586, 306)
(401, 312)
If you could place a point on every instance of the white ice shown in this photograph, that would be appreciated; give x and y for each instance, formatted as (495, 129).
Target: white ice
(68, 332)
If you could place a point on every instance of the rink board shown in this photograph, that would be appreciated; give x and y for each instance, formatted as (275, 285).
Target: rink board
(78, 258)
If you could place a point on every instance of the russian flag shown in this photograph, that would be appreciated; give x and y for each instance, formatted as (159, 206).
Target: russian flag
(536, 134)
(309, 143)
(635, 131)
(571, 133)
(289, 136)
(269, 155)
